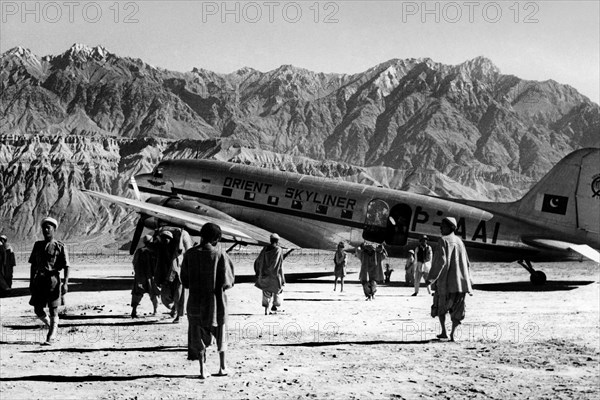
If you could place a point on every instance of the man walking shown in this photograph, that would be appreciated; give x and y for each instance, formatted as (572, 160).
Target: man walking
(450, 277)
(144, 265)
(423, 256)
(47, 259)
(371, 270)
(207, 272)
(174, 242)
(268, 268)
(339, 270)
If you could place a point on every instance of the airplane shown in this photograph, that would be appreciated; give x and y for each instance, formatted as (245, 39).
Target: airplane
(558, 219)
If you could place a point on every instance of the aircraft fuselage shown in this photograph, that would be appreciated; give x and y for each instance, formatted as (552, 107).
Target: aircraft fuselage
(318, 212)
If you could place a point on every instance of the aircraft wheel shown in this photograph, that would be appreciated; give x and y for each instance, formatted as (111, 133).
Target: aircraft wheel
(538, 278)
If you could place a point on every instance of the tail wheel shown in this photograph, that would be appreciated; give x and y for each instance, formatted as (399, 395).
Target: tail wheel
(538, 278)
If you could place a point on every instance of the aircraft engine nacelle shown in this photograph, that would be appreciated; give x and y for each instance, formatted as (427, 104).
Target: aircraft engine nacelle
(177, 204)
(156, 223)
(189, 206)
(152, 223)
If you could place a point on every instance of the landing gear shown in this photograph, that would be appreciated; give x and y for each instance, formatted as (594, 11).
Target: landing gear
(537, 278)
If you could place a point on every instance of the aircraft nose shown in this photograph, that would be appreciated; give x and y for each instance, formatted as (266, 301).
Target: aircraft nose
(143, 181)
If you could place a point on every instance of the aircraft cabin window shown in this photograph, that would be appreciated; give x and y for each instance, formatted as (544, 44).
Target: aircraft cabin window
(158, 172)
(321, 209)
(297, 205)
(249, 196)
(273, 200)
(346, 214)
(226, 192)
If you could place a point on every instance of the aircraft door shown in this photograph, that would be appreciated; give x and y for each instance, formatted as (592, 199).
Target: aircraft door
(375, 229)
(397, 225)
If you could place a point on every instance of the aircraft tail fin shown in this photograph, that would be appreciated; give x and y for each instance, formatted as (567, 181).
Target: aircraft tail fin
(569, 195)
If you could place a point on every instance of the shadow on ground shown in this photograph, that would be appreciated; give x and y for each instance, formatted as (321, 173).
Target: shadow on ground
(91, 378)
(125, 283)
(360, 343)
(105, 349)
(290, 278)
(524, 286)
(108, 284)
(120, 323)
(64, 317)
(550, 286)
(293, 299)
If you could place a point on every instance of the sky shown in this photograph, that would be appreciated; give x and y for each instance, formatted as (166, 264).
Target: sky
(534, 40)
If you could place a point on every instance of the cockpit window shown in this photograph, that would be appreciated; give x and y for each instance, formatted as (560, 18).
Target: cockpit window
(158, 172)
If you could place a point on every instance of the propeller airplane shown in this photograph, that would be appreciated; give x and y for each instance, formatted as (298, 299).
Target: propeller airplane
(558, 219)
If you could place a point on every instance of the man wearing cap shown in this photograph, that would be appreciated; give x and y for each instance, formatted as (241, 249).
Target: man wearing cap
(144, 265)
(47, 259)
(207, 272)
(409, 269)
(9, 261)
(423, 257)
(450, 277)
(270, 278)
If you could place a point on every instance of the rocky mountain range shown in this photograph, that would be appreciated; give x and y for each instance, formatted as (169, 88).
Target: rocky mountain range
(89, 118)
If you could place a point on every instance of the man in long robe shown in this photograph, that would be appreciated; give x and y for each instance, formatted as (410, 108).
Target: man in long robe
(9, 261)
(207, 272)
(423, 264)
(409, 272)
(371, 269)
(450, 277)
(174, 243)
(144, 265)
(268, 268)
(339, 270)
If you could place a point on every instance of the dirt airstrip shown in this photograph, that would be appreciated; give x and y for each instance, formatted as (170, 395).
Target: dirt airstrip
(517, 341)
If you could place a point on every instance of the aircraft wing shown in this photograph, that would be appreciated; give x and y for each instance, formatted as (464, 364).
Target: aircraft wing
(582, 249)
(235, 231)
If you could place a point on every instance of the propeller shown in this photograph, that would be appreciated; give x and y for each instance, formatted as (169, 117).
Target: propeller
(139, 228)
(134, 186)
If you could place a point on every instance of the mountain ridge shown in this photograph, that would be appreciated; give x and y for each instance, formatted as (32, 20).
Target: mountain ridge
(414, 124)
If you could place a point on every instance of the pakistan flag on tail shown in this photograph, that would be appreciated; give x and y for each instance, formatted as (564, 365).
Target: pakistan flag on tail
(569, 195)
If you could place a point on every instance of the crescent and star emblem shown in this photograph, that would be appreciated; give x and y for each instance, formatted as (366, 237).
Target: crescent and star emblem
(596, 186)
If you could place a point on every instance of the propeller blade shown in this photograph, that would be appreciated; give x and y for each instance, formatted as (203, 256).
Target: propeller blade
(139, 228)
(134, 186)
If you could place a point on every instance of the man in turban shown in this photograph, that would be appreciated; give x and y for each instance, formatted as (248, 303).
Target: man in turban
(450, 277)
(48, 258)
